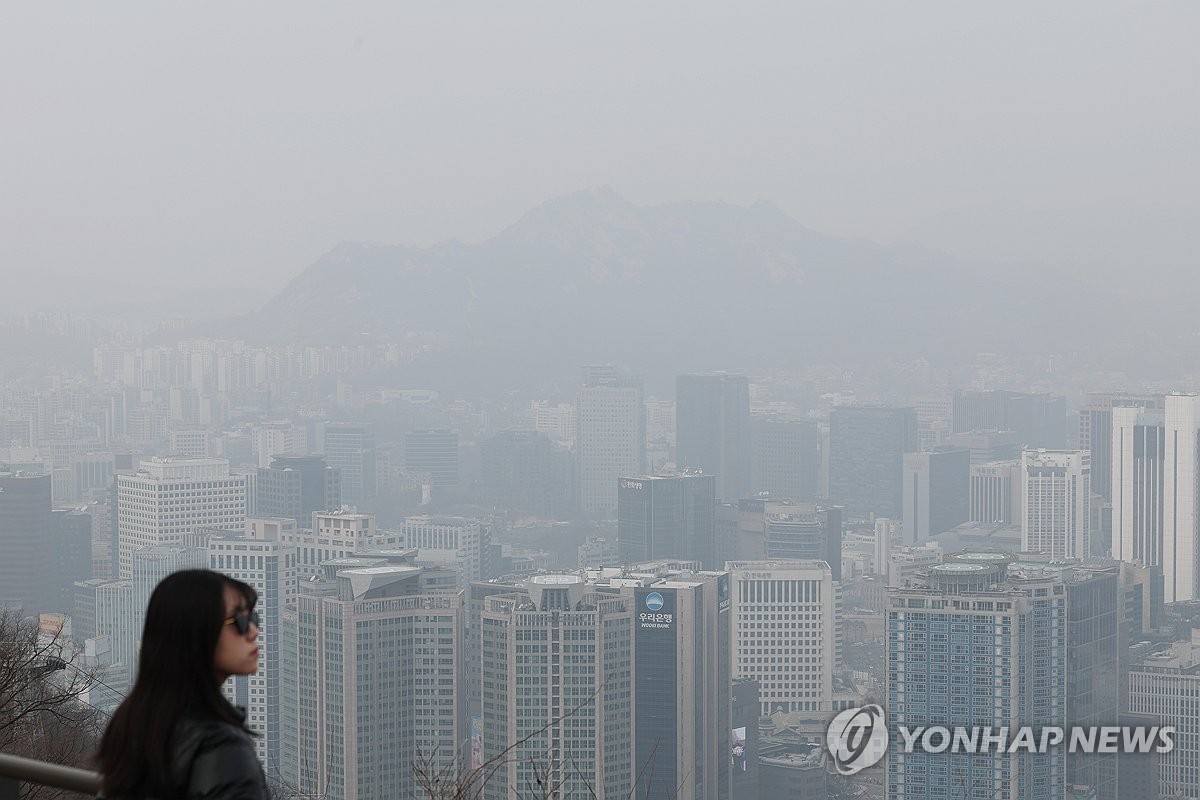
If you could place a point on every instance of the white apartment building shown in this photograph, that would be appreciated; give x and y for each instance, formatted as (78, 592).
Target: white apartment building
(1056, 516)
(168, 498)
(785, 632)
(1165, 686)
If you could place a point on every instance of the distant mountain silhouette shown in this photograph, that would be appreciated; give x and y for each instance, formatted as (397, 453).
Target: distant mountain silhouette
(591, 277)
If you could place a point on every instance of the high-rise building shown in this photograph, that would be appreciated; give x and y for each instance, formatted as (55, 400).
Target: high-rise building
(296, 486)
(526, 471)
(937, 492)
(1163, 687)
(961, 653)
(785, 458)
(25, 540)
(611, 438)
(1137, 483)
(1096, 431)
(1039, 419)
(989, 446)
(448, 541)
(434, 452)
(373, 685)
(168, 498)
(866, 458)
(666, 517)
(785, 632)
(557, 673)
(682, 684)
(1056, 498)
(712, 429)
(71, 556)
(996, 492)
(351, 449)
(1181, 516)
(804, 533)
(260, 559)
(333, 535)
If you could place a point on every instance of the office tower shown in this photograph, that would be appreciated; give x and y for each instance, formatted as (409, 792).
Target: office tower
(333, 535)
(885, 532)
(612, 438)
(296, 486)
(448, 541)
(260, 559)
(92, 471)
(960, 653)
(995, 493)
(525, 471)
(1094, 652)
(375, 661)
(746, 709)
(434, 452)
(1096, 431)
(1163, 688)
(115, 616)
(790, 657)
(785, 458)
(1056, 503)
(26, 568)
(933, 420)
(666, 517)
(276, 438)
(351, 449)
(866, 458)
(804, 533)
(1040, 420)
(989, 446)
(557, 669)
(937, 492)
(190, 443)
(71, 556)
(1137, 483)
(682, 683)
(1181, 517)
(149, 565)
(712, 429)
(168, 498)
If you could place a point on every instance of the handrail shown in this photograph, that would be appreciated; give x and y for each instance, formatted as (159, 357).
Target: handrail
(33, 771)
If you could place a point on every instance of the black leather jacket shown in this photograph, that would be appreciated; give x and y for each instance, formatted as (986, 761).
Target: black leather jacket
(214, 760)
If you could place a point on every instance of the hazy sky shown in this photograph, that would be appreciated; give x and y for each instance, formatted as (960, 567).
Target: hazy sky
(230, 144)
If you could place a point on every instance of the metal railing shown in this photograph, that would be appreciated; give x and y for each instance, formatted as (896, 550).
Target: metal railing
(15, 770)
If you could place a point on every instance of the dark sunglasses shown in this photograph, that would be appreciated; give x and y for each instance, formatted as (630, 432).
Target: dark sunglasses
(244, 621)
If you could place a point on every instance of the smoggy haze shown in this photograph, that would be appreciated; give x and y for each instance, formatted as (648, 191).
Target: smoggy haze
(158, 148)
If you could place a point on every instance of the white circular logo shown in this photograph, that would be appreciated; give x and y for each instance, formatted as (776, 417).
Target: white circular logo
(857, 738)
(654, 601)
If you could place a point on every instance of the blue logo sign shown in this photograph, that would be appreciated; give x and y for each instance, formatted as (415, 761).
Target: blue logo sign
(654, 601)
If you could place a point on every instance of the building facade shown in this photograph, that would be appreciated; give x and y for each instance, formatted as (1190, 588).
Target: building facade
(866, 458)
(712, 430)
(1056, 501)
(666, 517)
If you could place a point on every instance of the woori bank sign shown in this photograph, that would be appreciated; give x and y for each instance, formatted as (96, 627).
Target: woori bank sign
(858, 738)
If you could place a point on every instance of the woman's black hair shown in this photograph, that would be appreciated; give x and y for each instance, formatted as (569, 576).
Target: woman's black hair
(175, 680)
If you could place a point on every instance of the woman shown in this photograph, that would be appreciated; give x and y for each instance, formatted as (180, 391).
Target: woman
(175, 735)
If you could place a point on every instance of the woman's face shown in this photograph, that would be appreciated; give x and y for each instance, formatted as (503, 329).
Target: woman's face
(237, 653)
